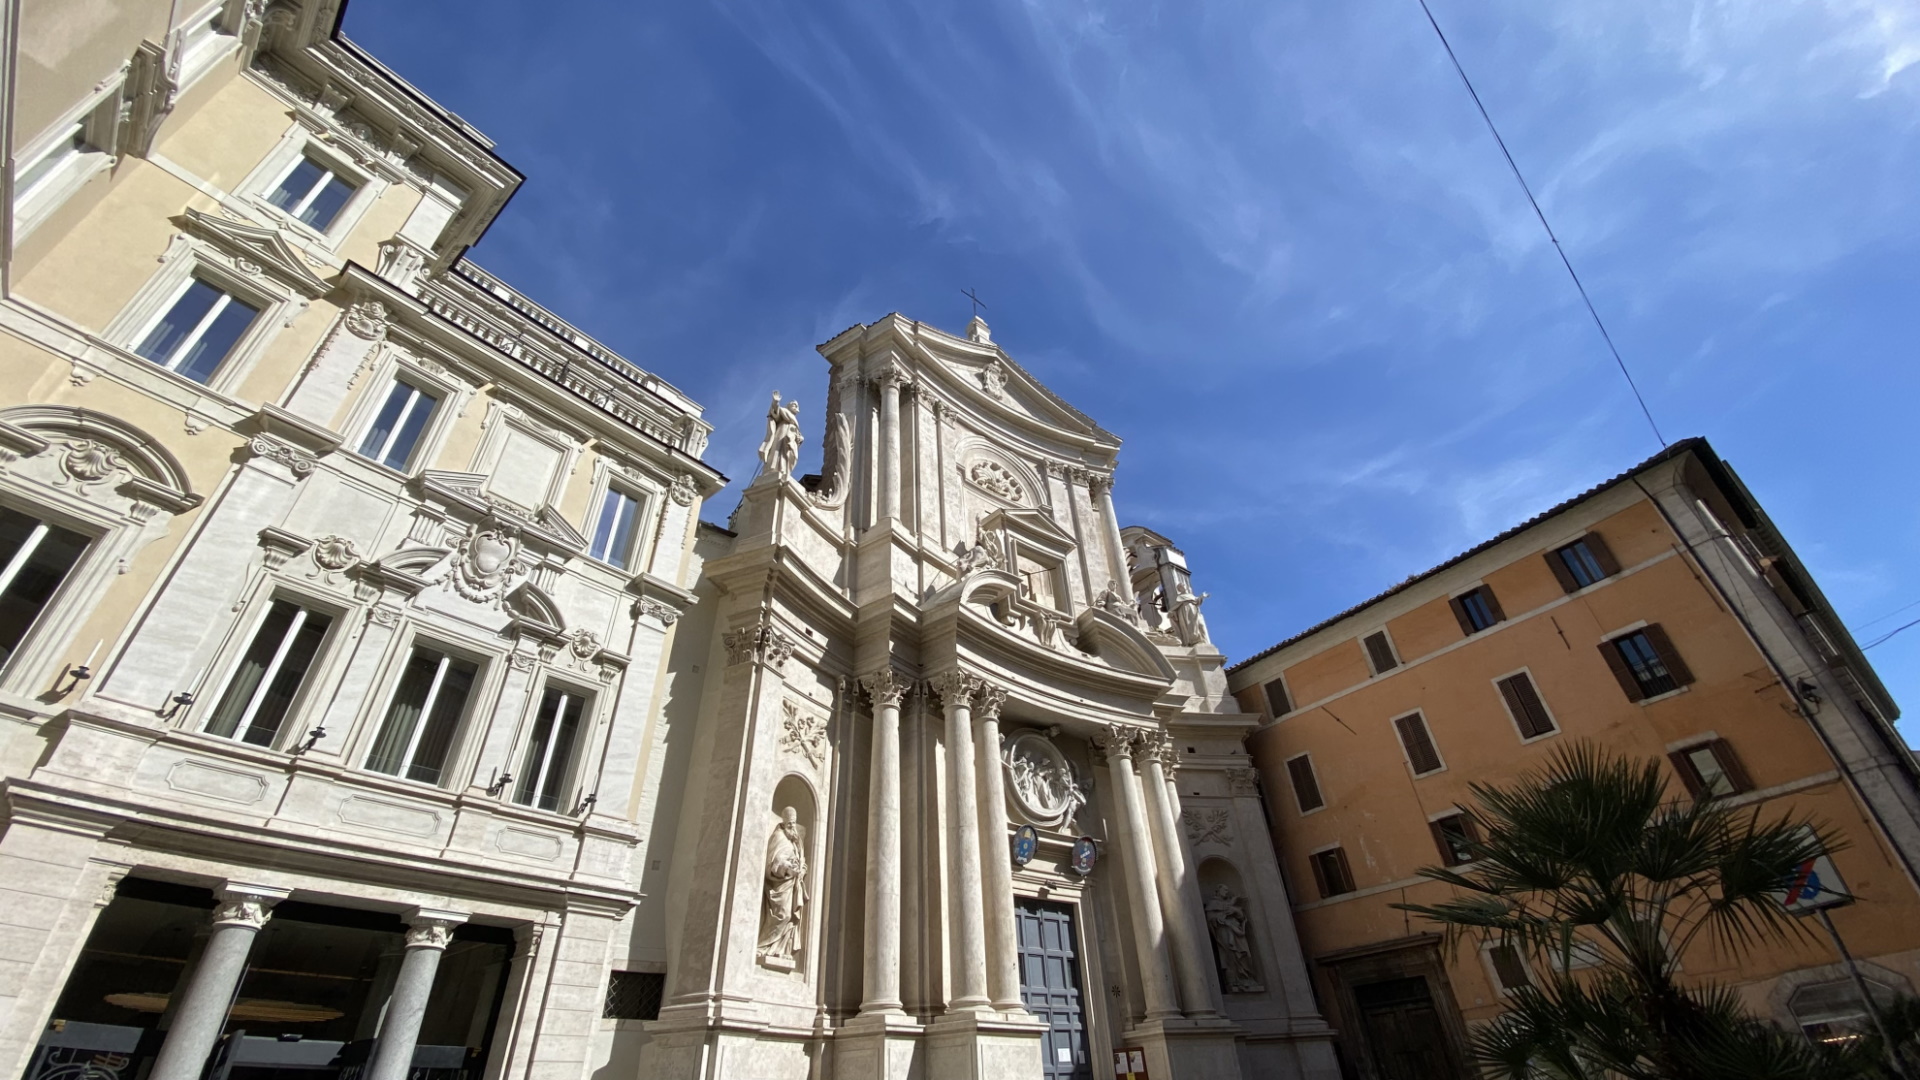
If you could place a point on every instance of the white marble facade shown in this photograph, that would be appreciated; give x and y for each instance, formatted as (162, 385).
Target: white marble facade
(945, 636)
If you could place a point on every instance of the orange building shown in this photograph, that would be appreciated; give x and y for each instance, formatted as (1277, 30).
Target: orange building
(1660, 615)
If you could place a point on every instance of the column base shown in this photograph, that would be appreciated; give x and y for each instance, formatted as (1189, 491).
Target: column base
(1188, 1049)
(882, 1046)
(975, 1046)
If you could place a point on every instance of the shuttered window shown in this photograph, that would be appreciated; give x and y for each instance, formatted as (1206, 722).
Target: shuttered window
(1508, 967)
(1306, 787)
(1645, 663)
(1380, 653)
(1523, 702)
(1418, 743)
(1477, 610)
(1330, 872)
(1278, 703)
(1455, 836)
(1710, 769)
(1581, 563)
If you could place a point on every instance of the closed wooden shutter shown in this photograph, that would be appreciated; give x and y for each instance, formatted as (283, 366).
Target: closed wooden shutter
(1618, 665)
(1493, 604)
(1418, 742)
(1460, 613)
(1380, 651)
(1663, 648)
(1560, 572)
(1278, 703)
(1523, 701)
(1306, 788)
(1509, 967)
(1602, 554)
(1689, 776)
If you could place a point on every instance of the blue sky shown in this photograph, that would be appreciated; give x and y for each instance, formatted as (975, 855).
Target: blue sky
(1268, 244)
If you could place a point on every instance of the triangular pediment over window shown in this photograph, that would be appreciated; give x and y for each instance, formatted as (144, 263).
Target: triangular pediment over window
(265, 248)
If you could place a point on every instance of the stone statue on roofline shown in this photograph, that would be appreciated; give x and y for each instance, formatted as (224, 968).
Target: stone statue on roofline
(780, 450)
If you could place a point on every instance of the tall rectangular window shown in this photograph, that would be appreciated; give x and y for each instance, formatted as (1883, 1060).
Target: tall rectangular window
(198, 331)
(312, 193)
(270, 674)
(1523, 701)
(35, 559)
(547, 766)
(1581, 563)
(1278, 702)
(1331, 873)
(396, 429)
(1422, 757)
(1476, 610)
(1306, 787)
(1645, 664)
(1710, 769)
(1509, 967)
(425, 714)
(613, 533)
(1380, 653)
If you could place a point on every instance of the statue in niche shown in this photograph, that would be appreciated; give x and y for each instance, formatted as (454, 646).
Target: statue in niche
(780, 450)
(780, 922)
(1227, 922)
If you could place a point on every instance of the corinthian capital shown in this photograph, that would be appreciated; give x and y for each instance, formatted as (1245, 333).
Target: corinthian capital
(1158, 745)
(957, 688)
(986, 704)
(1116, 740)
(1099, 484)
(243, 906)
(886, 687)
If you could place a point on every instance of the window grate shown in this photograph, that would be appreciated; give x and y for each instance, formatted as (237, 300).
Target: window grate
(634, 995)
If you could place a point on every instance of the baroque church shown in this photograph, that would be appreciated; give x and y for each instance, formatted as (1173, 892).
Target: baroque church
(380, 696)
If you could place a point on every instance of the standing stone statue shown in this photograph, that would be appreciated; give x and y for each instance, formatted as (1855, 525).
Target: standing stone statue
(1227, 921)
(780, 450)
(781, 922)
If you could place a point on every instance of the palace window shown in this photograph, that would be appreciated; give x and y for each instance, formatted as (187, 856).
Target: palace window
(1455, 834)
(1279, 702)
(1645, 664)
(270, 674)
(1306, 787)
(1417, 741)
(35, 559)
(1834, 1012)
(1331, 873)
(1039, 579)
(1476, 610)
(417, 735)
(1380, 653)
(547, 766)
(312, 193)
(1710, 769)
(1523, 703)
(1581, 563)
(197, 330)
(395, 432)
(614, 533)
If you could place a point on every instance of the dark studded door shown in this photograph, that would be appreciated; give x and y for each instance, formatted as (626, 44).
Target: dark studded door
(1050, 987)
(1403, 1030)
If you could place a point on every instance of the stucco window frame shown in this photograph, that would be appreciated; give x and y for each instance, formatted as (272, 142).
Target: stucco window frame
(188, 260)
(82, 588)
(1525, 739)
(585, 762)
(297, 142)
(647, 492)
(1394, 722)
(503, 419)
(468, 736)
(1319, 788)
(316, 689)
(93, 121)
(206, 38)
(394, 365)
(1399, 660)
(1607, 641)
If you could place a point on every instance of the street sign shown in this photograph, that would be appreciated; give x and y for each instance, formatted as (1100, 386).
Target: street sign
(1814, 885)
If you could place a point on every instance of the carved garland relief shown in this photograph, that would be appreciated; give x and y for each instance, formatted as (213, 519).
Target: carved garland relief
(995, 479)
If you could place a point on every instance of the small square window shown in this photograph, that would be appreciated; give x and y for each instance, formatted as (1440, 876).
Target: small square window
(1331, 873)
(1645, 663)
(1477, 610)
(198, 331)
(613, 533)
(395, 432)
(312, 193)
(1710, 769)
(1380, 652)
(270, 674)
(634, 995)
(1581, 563)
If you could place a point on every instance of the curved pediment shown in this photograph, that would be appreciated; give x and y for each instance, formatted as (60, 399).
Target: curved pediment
(96, 447)
(1120, 644)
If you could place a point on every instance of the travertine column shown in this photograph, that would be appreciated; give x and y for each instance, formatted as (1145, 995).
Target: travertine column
(1102, 489)
(890, 378)
(1179, 892)
(957, 690)
(427, 935)
(1149, 927)
(884, 871)
(197, 1023)
(1003, 961)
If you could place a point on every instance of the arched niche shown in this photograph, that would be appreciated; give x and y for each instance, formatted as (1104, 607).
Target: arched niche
(1230, 927)
(788, 876)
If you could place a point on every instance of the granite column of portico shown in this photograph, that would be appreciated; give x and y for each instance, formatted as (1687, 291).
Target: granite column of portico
(1003, 961)
(202, 1012)
(890, 379)
(881, 992)
(1179, 891)
(957, 691)
(1149, 927)
(428, 933)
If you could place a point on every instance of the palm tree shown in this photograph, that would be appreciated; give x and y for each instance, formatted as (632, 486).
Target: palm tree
(1591, 871)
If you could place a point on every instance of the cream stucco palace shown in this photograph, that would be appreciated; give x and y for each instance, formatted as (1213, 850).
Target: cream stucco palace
(374, 701)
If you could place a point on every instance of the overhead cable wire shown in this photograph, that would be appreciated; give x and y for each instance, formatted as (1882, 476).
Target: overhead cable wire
(1537, 212)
